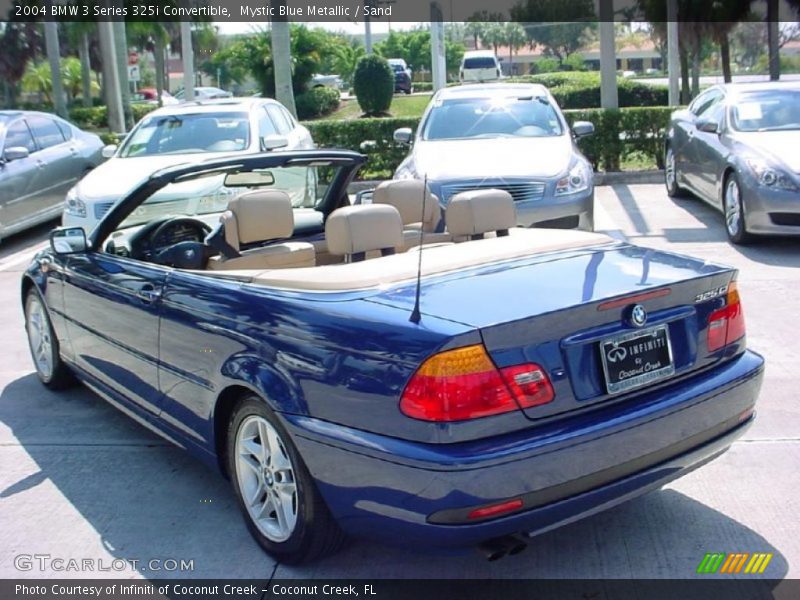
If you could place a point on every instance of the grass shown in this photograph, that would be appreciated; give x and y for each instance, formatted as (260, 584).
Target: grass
(402, 106)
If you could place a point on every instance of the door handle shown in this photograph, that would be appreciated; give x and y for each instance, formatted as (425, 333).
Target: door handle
(148, 293)
(40, 164)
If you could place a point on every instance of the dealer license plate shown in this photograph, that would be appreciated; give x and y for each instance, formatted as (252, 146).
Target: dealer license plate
(636, 358)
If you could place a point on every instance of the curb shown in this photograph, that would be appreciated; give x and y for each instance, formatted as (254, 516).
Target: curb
(601, 178)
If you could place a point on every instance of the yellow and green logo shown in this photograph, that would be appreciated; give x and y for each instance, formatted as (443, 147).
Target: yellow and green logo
(734, 562)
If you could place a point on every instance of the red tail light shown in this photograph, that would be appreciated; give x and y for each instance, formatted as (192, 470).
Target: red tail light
(462, 384)
(726, 325)
(494, 510)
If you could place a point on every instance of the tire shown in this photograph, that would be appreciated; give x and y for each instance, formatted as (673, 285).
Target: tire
(735, 216)
(671, 176)
(43, 344)
(304, 529)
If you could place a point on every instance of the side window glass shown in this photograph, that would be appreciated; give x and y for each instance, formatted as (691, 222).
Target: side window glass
(265, 125)
(18, 135)
(716, 113)
(46, 132)
(704, 102)
(289, 118)
(279, 118)
(66, 130)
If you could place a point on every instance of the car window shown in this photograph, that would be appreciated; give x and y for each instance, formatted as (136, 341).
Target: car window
(265, 125)
(705, 101)
(527, 116)
(19, 136)
(288, 116)
(46, 132)
(189, 134)
(66, 130)
(716, 113)
(773, 110)
(479, 62)
(279, 118)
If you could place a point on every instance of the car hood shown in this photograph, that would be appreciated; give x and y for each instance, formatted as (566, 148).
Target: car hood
(117, 176)
(497, 157)
(779, 144)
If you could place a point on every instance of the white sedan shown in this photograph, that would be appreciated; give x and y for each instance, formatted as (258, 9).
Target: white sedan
(182, 134)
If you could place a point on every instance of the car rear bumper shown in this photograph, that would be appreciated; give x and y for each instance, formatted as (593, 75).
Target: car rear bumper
(393, 490)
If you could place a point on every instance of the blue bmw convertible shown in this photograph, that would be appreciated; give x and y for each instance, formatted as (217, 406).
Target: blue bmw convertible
(392, 370)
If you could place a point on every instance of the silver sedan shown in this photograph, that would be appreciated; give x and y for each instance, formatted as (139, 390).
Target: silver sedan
(735, 147)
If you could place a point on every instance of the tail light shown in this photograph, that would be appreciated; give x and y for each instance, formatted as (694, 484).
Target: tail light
(726, 325)
(464, 383)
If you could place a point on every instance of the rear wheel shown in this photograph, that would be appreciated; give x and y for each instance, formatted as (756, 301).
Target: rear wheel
(735, 218)
(43, 343)
(283, 509)
(671, 175)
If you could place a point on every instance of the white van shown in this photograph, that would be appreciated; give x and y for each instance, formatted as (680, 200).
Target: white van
(479, 65)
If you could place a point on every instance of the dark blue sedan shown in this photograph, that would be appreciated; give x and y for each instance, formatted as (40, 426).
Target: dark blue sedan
(359, 369)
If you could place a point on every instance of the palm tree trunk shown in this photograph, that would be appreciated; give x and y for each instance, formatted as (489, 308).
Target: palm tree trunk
(696, 65)
(725, 57)
(684, 76)
(86, 70)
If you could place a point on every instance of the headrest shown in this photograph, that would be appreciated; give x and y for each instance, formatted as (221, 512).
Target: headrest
(363, 228)
(261, 215)
(406, 196)
(479, 211)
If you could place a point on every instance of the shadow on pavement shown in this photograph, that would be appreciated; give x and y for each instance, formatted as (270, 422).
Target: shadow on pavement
(26, 239)
(147, 499)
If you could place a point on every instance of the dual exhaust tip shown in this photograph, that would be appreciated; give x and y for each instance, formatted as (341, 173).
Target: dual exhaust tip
(497, 548)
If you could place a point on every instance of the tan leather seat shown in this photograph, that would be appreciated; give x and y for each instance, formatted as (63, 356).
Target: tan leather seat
(471, 215)
(260, 216)
(364, 231)
(406, 196)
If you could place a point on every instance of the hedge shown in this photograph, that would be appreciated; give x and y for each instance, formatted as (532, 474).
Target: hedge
(617, 134)
(317, 102)
(97, 116)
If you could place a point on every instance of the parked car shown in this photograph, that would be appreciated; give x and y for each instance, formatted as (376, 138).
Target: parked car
(177, 134)
(150, 96)
(534, 377)
(204, 93)
(332, 81)
(41, 157)
(735, 147)
(478, 66)
(402, 75)
(508, 136)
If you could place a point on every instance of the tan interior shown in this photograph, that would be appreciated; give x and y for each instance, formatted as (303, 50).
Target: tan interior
(361, 229)
(436, 259)
(406, 195)
(477, 212)
(260, 216)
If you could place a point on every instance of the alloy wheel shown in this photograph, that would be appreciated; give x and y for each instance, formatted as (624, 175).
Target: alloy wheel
(39, 338)
(733, 208)
(266, 478)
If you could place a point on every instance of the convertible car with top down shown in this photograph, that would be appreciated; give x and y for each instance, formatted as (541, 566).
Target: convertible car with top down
(360, 369)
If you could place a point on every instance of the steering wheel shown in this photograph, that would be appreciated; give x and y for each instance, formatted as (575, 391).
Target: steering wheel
(166, 254)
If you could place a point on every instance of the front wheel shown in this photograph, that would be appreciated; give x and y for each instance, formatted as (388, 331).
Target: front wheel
(671, 175)
(735, 218)
(283, 509)
(43, 343)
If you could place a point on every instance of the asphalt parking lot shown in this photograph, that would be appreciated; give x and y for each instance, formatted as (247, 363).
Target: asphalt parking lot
(78, 479)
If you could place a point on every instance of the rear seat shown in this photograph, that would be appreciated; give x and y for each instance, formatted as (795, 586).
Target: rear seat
(406, 196)
(474, 214)
(364, 231)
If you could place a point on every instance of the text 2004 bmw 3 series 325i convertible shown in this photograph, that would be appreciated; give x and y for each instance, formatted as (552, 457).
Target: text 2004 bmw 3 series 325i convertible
(245, 310)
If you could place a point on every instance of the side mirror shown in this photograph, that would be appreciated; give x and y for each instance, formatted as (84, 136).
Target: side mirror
(15, 153)
(68, 240)
(109, 151)
(707, 125)
(582, 128)
(273, 142)
(403, 135)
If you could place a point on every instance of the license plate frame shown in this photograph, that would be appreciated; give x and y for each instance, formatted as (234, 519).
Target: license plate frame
(664, 368)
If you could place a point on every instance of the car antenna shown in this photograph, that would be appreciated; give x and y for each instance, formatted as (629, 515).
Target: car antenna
(416, 316)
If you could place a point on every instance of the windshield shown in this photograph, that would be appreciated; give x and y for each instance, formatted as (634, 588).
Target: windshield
(205, 195)
(771, 110)
(479, 62)
(189, 134)
(529, 116)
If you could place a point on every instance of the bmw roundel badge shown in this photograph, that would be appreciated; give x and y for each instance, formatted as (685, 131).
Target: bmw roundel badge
(638, 315)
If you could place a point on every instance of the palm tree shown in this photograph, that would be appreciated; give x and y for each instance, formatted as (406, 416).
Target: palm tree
(78, 35)
(150, 36)
(515, 38)
(475, 29)
(346, 59)
(493, 35)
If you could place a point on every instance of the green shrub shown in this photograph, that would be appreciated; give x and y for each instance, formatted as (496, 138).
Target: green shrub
(618, 133)
(317, 102)
(97, 116)
(373, 82)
